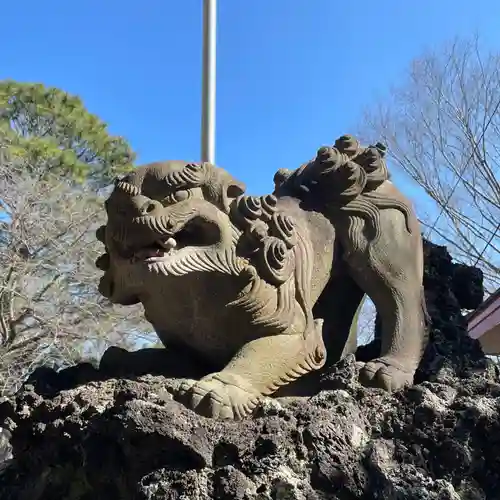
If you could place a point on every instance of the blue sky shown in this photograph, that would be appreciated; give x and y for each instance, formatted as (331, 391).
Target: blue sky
(292, 74)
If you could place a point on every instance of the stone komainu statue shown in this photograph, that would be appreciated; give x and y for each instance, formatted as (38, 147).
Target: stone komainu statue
(266, 288)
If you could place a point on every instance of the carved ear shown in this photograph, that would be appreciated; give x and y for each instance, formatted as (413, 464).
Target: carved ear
(220, 187)
(231, 190)
(235, 189)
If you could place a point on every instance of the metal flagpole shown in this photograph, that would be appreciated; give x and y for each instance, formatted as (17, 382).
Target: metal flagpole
(209, 81)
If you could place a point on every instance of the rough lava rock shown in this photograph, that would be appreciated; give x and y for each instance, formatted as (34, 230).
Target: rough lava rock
(104, 433)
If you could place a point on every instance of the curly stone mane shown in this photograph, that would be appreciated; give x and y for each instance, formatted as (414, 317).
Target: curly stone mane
(279, 256)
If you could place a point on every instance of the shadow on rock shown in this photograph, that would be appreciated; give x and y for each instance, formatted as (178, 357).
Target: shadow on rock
(175, 362)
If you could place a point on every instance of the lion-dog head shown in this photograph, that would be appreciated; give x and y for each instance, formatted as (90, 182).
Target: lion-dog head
(183, 240)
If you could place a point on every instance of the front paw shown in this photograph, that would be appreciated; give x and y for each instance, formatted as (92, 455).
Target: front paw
(219, 395)
(385, 373)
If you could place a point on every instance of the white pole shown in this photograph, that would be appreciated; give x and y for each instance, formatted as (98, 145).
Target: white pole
(208, 85)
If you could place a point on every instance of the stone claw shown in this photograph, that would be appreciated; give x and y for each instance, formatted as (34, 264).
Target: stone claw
(223, 396)
(385, 373)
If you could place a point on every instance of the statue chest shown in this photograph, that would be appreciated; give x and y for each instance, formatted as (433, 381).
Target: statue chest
(196, 312)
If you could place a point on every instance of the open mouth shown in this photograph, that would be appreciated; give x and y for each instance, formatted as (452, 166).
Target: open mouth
(197, 232)
(156, 250)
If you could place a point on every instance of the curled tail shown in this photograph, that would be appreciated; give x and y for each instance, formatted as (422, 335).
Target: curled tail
(342, 181)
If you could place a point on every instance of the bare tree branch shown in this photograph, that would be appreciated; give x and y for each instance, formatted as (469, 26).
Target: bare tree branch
(50, 310)
(442, 128)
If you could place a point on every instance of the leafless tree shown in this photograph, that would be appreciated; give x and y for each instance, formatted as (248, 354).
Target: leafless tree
(50, 310)
(366, 322)
(442, 128)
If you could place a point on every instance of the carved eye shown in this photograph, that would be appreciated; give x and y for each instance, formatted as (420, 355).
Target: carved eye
(178, 196)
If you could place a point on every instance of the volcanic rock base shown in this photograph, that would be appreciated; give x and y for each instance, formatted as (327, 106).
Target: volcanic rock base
(116, 432)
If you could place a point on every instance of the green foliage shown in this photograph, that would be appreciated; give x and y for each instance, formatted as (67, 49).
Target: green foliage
(54, 158)
(47, 126)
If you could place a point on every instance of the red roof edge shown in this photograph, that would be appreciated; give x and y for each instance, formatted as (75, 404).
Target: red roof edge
(492, 298)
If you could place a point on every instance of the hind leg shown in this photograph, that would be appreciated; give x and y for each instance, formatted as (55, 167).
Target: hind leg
(393, 280)
(402, 336)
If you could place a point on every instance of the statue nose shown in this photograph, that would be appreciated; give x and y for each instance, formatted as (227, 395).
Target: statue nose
(138, 206)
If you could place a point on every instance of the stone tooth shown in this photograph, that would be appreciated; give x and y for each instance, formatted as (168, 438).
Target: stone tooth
(168, 244)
